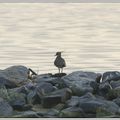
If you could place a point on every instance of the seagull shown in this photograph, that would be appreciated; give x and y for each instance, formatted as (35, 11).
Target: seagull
(59, 62)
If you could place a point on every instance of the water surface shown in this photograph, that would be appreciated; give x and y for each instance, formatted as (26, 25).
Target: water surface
(88, 33)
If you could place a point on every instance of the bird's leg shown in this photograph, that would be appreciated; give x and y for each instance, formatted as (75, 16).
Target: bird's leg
(59, 70)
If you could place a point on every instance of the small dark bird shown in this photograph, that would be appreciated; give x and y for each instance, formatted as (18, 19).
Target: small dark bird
(59, 62)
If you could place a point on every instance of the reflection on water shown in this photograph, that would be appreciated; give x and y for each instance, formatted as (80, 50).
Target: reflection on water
(89, 35)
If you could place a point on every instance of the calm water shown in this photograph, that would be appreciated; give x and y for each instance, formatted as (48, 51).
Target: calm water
(89, 35)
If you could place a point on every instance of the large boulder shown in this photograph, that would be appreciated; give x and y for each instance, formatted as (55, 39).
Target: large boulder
(58, 96)
(111, 76)
(37, 91)
(81, 82)
(14, 76)
(16, 100)
(90, 104)
(55, 81)
(5, 109)
(72, 112)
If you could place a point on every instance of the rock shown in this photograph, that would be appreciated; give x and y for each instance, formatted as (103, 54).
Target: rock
(90, 104)
(52, 113)
(16, 100)
(80, 82)
(55, 81)
(117, 101)
(111, 76)
(27, 114)
(5, 109)
(58, 96)
(104, 88)
(16, 75)
(44, 88)
(115, 84)
(59, 106)
(50, 101)
(5, 82)
(59, 75)
(74, 101)
(65, 94)
(4, 93)
(43, 78)
(112, 94)
(33, 98)
(71, 112)
(104, 113)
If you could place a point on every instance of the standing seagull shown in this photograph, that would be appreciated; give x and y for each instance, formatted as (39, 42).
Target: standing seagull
(59, 62)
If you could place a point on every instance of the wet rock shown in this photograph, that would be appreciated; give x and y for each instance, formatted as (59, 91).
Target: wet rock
(80, 82)
(111, 76)
(5, 109)
(71, 112)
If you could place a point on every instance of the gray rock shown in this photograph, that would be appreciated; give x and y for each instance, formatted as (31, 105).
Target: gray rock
(44, 88)
(33, 98)
(65, 94)
(71, 112)
(115, 84)
(5, 109)
(80, 82)
(15, 75)
(58, 96)
(113, 75)
(16, 100)
(90, 104)
(50, 101)
(74, 101)
(55, 81)
(117, 101)
(104, 88)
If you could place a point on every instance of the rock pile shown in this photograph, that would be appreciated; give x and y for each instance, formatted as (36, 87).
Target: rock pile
(76, 95)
